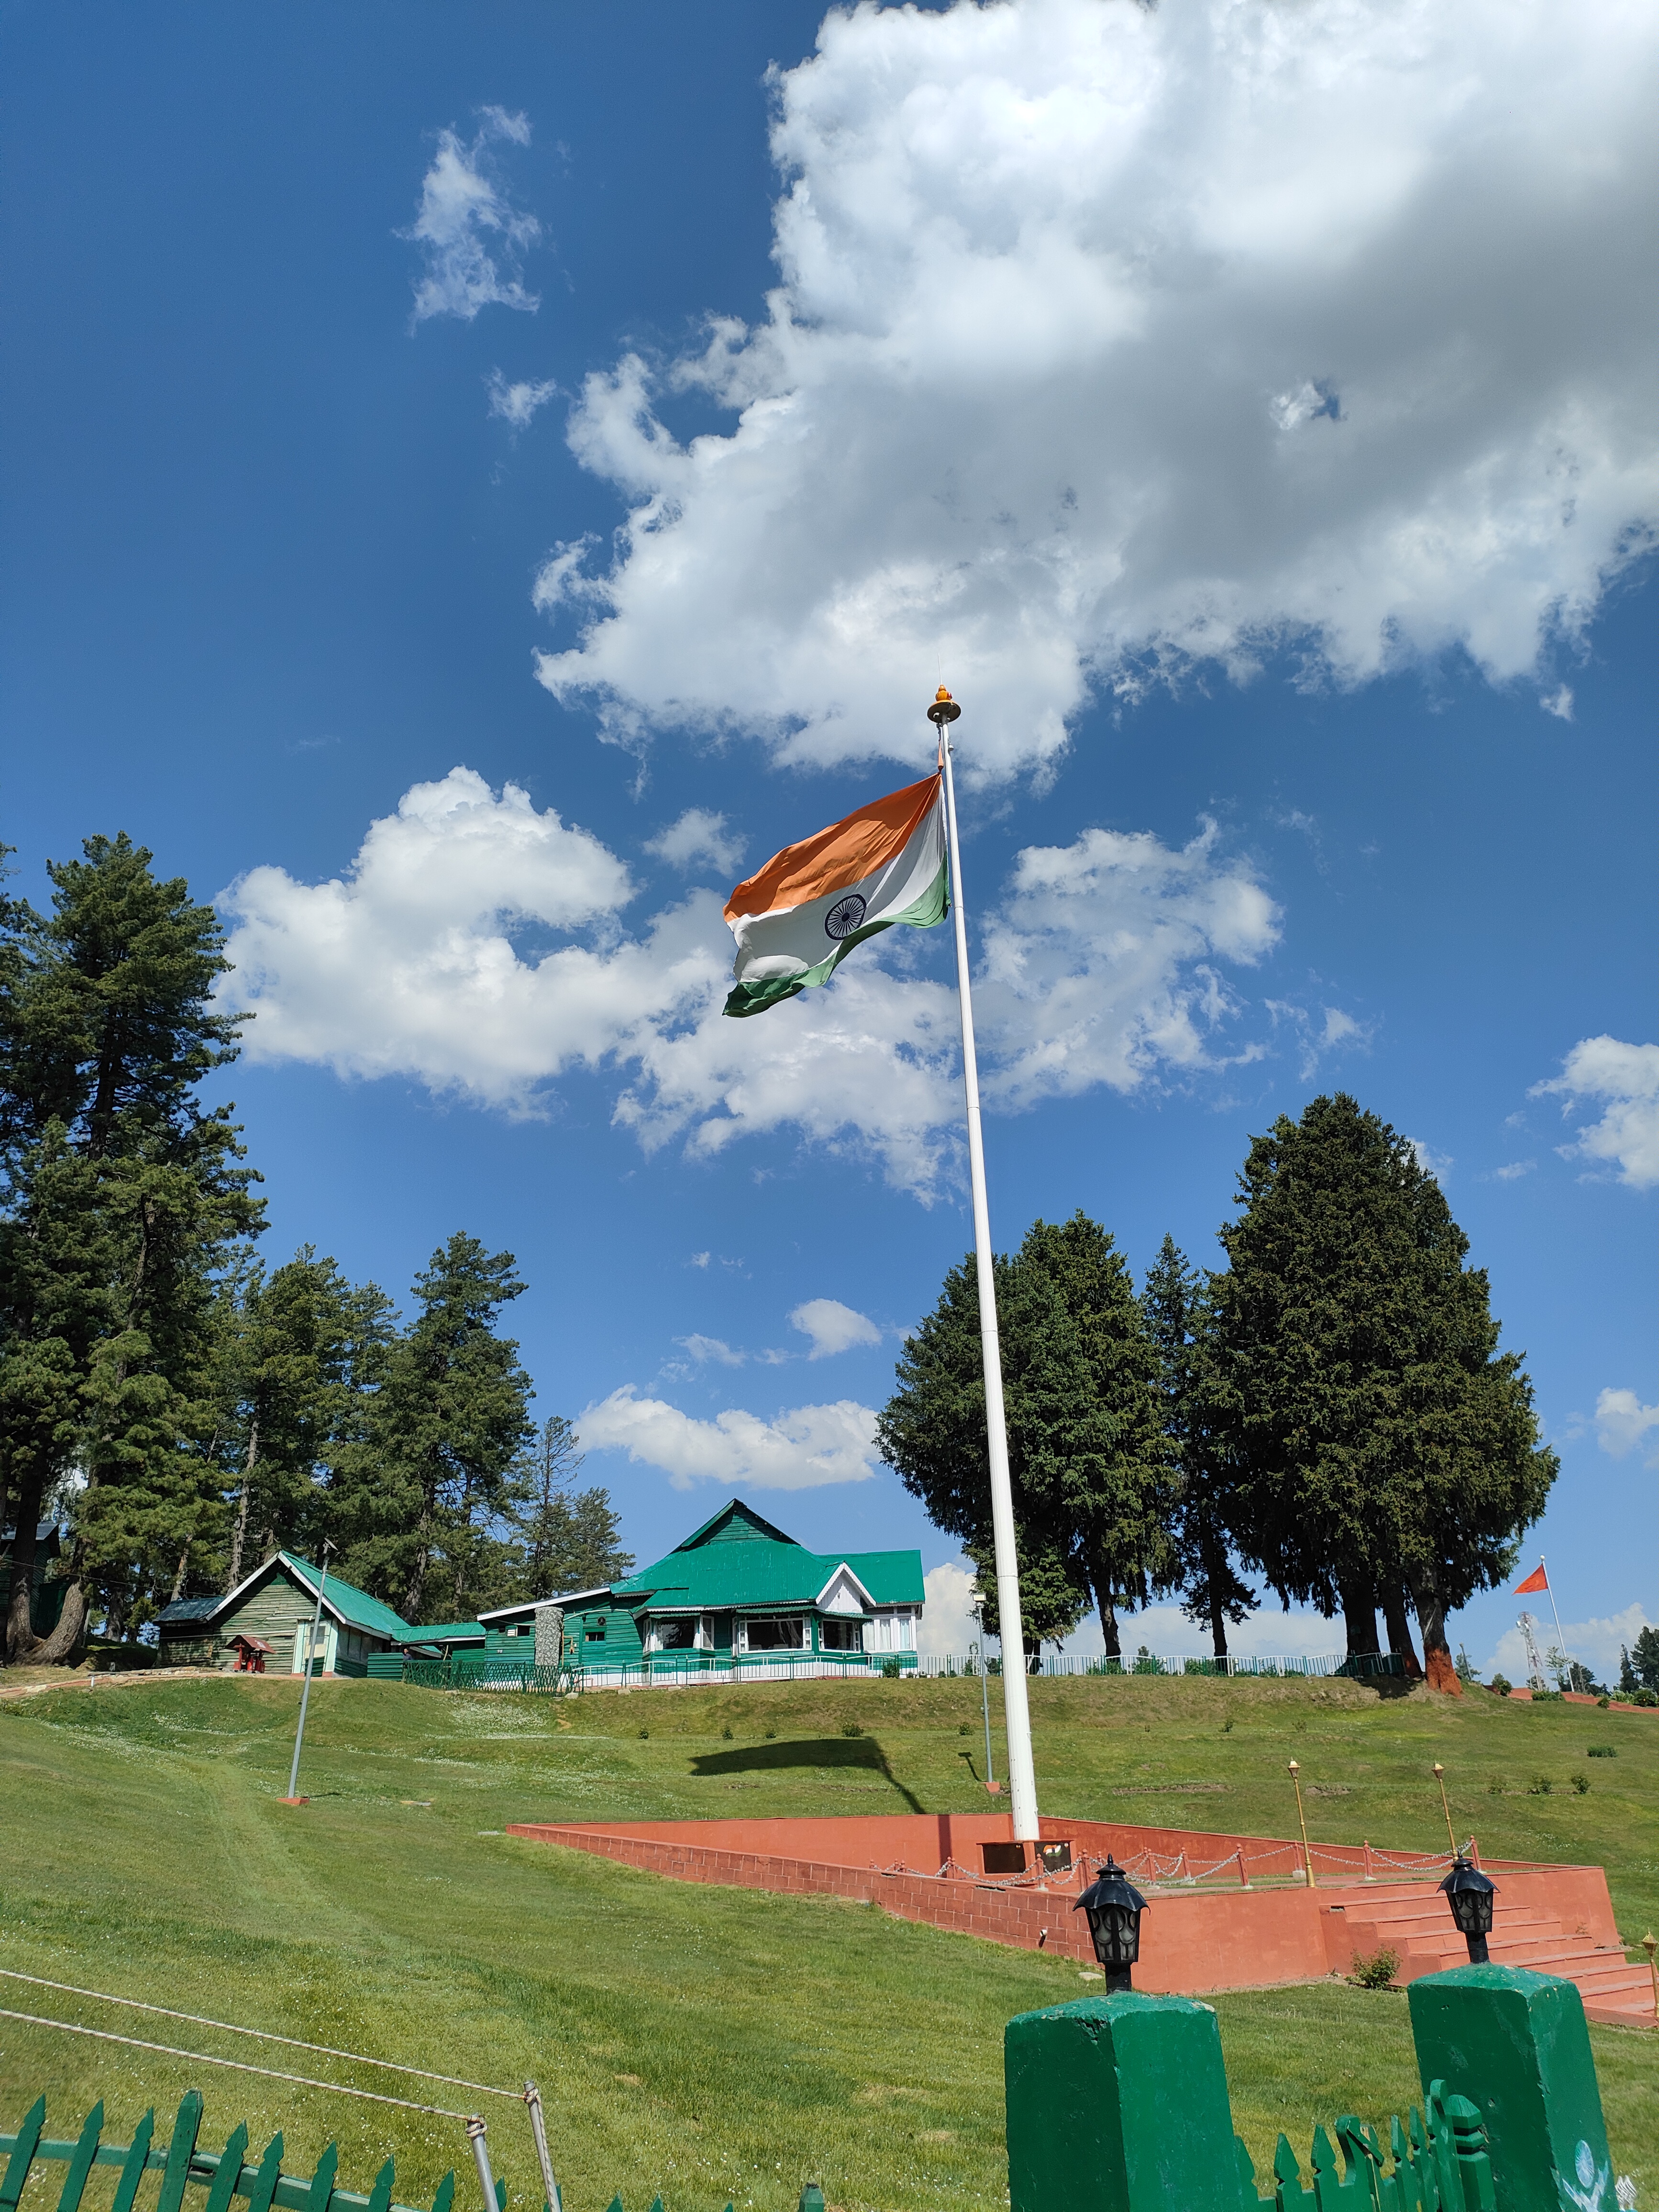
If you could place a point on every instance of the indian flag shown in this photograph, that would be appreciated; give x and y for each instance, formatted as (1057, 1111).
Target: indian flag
(799, 916)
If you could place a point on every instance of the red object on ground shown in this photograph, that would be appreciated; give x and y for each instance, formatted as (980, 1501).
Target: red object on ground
(293, 1801)
(252, 1652)
(1537, 1580)
(928, 1867)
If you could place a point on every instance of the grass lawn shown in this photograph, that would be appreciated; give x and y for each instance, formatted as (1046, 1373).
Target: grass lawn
(709, 2044)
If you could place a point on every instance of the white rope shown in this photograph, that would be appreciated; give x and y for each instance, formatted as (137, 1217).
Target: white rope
(263, 2034)
(201, 2058)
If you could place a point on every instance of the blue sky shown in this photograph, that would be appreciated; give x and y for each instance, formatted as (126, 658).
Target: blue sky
(475, 424)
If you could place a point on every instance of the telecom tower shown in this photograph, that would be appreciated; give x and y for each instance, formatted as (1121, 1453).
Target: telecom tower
(1535, 1664)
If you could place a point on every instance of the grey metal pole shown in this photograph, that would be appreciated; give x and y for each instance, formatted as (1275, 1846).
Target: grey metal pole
(532, 2097)
(985, 1696)
(480, 2141)
(305, 1692)
(1016, 1710)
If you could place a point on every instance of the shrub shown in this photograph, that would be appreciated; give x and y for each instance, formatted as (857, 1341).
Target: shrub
(771, 1735)
(1645, 1697)
(890, 1670)
(851, 1728)
(1500, 1685)
(1581, 1784)
(1375, 1970)
(965, 1728)
(1600, 1751)
(643, 1734)
(1541, 1786)
(1495, 1786)
(726, 1733)
(1604, 1701)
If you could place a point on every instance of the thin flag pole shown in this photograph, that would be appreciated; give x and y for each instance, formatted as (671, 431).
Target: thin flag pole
(1017, 1716)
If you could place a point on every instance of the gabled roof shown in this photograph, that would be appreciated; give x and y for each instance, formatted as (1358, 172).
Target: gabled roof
(184, 1610)
(718, 1575)
(446, 1631)
(843, 1567)
(351, 1608)
(735, 1524)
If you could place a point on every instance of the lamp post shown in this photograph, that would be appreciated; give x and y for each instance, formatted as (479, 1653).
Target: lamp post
(1469, 1892)
(305, 1692)
(1113, 1905)
(1302, 1819)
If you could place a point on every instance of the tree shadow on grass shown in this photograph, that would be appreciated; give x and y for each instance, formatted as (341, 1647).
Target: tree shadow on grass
(861, 1753)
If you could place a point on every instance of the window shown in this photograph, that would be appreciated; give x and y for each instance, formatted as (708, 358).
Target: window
(841, 1636)
(595, 1633)
(677, 1633)
(775, 1633)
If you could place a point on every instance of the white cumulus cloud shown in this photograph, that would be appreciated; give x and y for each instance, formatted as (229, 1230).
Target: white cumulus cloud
(832, 1326)
(1627, 1077)
(698, 837)
(1622, 1422)
(800, 1449)
(470, 234)
(1109, 338)
(429, 958)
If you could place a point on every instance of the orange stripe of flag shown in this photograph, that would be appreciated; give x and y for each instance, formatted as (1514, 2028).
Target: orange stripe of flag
(846, 853)
(1536, 1581)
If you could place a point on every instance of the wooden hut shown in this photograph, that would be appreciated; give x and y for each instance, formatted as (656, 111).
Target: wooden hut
(274, 1606)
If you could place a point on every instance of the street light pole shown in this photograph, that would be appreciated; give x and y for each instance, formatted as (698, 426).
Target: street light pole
(292, 1797)
(985, 1694)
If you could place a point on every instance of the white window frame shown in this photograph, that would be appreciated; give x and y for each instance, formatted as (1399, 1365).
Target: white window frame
(740, 1629)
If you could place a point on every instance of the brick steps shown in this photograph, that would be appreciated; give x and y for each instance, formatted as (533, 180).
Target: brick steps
(1613, 1991)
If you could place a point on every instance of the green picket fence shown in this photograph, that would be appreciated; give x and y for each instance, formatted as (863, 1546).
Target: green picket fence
(226, 2178)
(181, 2163)
(465, 1672)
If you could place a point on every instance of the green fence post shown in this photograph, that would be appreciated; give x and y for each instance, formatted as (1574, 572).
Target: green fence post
(180, 2151)
(132, 2171)
(1515, 2046)
(86, 2152)
(22, 2155)
(1119, 2104)
(228, 2171)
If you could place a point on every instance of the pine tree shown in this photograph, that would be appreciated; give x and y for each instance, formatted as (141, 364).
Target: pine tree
(1088, 1465)
(1178, 1321)
(566, 1539)
(1644, 1660)
(419, 1504)
(305, 1350)
(124, 1198)
(1382, 1445)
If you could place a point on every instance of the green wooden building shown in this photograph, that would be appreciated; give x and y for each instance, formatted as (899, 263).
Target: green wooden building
(276, 1605)
(738, 1599)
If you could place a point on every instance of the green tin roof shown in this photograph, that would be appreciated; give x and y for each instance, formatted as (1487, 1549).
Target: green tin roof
(737, 1560)
(356, 1609)
(446, 1631)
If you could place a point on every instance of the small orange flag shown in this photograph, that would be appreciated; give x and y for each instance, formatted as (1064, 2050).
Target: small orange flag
(1538, 1580)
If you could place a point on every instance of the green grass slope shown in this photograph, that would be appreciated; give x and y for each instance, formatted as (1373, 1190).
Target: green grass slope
(710, 2043)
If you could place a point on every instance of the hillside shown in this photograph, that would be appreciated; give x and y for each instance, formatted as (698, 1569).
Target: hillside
(709, 2043)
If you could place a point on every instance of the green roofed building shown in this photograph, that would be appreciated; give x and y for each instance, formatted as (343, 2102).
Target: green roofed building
(738, 1599)
(271, 1613)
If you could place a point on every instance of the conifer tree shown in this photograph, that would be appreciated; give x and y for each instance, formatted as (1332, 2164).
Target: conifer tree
(125, 1198)
(450, 1418)
(1089, 1467)
(1381, 1446)
(1199, 1527)
(566, 1539)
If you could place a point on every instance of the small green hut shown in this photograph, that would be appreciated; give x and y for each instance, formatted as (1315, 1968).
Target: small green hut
(276, 1605)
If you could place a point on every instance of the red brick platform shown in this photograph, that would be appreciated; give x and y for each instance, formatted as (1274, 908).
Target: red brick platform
(1227, 1911)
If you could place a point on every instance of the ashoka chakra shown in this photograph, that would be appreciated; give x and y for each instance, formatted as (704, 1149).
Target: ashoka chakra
(845, 916)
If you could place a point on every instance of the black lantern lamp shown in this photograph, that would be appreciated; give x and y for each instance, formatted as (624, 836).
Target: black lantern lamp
(1113, 1905)
(1469, 1894)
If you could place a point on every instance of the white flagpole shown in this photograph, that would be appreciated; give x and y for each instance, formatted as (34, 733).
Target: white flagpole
(1016, 1710)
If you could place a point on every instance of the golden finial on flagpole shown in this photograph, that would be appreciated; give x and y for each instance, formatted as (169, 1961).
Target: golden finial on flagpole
(944, 709)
